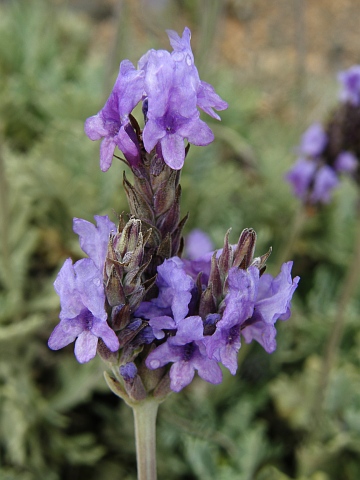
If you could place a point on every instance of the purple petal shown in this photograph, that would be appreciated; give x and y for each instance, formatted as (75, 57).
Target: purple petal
(102, 330)
(350, 83)
(173, 151)
(275, 294)
(208, 369)
(240, 301)
(181, 374)
(131, 87)
(65, 287)
(313, 141)
(207, 99)
(152, 133)
(263, 333)
(90, 287)
(107, 148)
(181, 44)
(158, 324)
(300, 177)
(197, 243)
(65, 333)
(85, 347)
(346, 162)
(325, 181)
(94, 240)
(189, 330)
(197, 132)
(95, 128)
(162, 355)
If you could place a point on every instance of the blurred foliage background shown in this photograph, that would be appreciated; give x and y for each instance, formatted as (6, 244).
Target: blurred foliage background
(275, 63)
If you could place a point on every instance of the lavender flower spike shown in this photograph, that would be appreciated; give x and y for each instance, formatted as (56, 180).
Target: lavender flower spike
(82, 316)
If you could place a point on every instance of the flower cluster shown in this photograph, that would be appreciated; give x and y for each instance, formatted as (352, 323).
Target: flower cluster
(154, 317)
(170, 89)
(327, 151)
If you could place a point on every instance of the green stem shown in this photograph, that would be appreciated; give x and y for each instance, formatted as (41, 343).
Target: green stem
(145, 436)
(333, 343)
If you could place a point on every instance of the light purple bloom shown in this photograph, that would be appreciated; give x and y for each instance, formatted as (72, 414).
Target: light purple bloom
(300, 177)
(174, 292)
(184, 352)
(197, 244)
(313, 141)
(82, 316)
(94, 240)
(350, 83)
(346, 162)
(207, 98)
(225, 343)
(325, 181)
(112, 122)
(172, 115)
(273, 302)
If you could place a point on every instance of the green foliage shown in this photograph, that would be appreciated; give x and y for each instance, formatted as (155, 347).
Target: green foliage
(57, 418)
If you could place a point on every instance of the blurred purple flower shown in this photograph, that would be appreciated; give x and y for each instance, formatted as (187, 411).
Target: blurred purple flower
(82, 317)
(313, 141)
(112, 122)
(324, 183)
(350, 83)
(346, 162)
(300, 177)
(197, 244)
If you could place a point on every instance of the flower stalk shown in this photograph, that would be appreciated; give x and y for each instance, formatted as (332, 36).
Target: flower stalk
(145, 414)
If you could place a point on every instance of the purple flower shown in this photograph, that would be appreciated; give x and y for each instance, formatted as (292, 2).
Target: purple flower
(172, 115)
(207, 98)
(346, 162)
(225, 343)
(112, 122)
(300, 177)
(184, 351)
(94, 240)
(82, 316)
(197, 243)
(325, 181)
(350, 83)
(313, 141)
(273, 302)
(174, 292)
